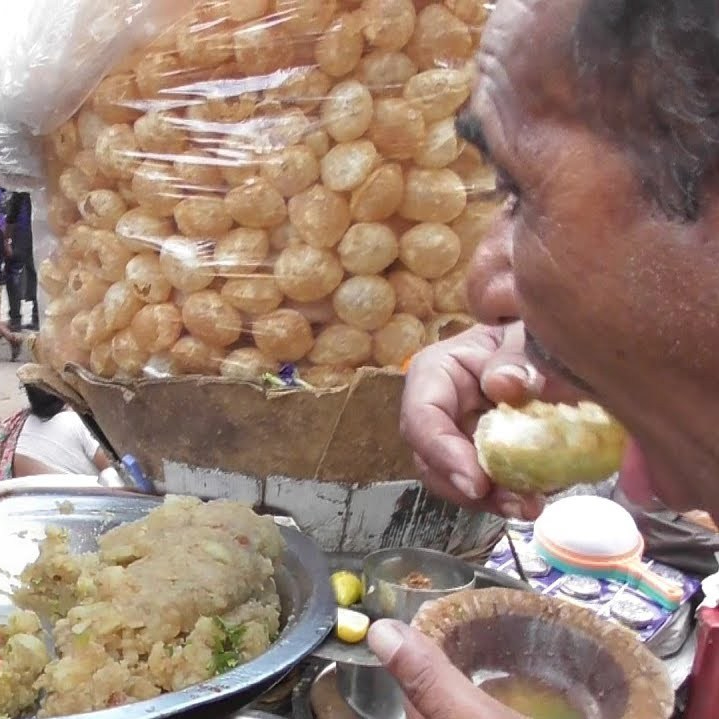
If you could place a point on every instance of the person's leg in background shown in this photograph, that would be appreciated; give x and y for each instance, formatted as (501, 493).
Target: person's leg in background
(15, 285)
(31, 292)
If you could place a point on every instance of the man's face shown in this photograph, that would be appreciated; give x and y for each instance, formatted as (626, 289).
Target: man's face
(623, 298)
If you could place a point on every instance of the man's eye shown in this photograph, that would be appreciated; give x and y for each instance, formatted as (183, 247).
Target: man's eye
(508, 190)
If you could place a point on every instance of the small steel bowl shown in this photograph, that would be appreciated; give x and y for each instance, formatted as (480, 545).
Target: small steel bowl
(383, 572)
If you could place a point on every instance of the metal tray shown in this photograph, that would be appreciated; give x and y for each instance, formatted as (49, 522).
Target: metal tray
(309, 609)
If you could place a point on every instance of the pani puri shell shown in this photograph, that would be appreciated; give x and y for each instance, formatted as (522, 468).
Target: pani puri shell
(127, 353)
(255, 295)
(340, 48)
(97, 330)
(78, 240)
(241, 252)
(304, 88)
(432, 196)
(203, 44)
(102, 209)
(74, 184)
(379, 196)
(385, 72)
(284, 335)
(320, 216)
(115, 99)
(347, 165)
(366, 302)
(308, 17)
(327, 377)
(156, 72)
(318, 141)
(210, 318)
(89, 127)
(473, 12)
(202, 217)
(101, 361)
(430, 250)
(117, 152)
(78, 329)
(156, 188)
(368, 248)
(444, 327)
(187, 264)
(157, 328)
(108, 252)
(415, 295)
(399, 340)
(397, 128)
(438, 93)
(320, 312)
(86, 162)
(473, 224)
(283, 236)
(306, 273)
(342, 346)
(64, 141)
(199, 170)
(141, 231)
(261, 49)
(284, 129)
(145, 276)
(389, 23)
(120, 305)
(192, 356)
(245, 10)
(86, 288)
(450, 291)
(247, 365)
(52, 275)
(291, 170)
(61, 213)
(347, 111)
(440, 39)
(256, 203)
(440, 147)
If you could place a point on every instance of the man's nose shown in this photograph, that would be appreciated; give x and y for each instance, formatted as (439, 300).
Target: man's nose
(490, 281)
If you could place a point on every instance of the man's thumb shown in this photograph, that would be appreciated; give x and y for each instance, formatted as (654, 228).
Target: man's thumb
(431, 683)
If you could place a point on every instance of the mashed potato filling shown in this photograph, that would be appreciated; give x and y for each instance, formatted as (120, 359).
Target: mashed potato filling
(166, 602)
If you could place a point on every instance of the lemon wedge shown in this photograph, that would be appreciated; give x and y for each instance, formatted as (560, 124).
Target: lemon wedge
(347, 588)
(352, 626)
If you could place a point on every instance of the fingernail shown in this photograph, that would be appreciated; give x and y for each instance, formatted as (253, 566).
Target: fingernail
(465, 485)
(526, 374)
(384, 640)
(512, 510)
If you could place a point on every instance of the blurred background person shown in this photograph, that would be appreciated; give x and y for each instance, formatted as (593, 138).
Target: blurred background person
(20, 274)
(48, 438)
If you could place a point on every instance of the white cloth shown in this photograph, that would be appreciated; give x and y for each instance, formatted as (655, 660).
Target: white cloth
(62, 443)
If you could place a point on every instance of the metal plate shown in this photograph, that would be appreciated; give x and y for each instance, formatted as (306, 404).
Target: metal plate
(309, 610)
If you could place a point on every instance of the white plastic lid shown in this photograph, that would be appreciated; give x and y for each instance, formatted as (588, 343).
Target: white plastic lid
(592, 526)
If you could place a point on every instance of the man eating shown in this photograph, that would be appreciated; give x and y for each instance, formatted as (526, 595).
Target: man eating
(600, 277)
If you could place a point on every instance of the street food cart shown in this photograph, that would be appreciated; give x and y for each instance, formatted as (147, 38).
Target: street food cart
(250, 215)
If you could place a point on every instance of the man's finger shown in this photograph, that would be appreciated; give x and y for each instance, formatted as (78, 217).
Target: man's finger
(434, 687)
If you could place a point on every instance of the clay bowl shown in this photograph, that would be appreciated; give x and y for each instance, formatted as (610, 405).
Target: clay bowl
(596, 666)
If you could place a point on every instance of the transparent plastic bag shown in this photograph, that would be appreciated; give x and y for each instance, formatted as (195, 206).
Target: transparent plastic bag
(269, 184)
(53, 53)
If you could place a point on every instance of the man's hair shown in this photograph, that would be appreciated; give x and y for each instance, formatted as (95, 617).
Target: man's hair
(43, 404)
(649, 79)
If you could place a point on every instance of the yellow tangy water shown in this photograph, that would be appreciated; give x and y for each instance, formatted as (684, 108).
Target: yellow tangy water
(531, 698)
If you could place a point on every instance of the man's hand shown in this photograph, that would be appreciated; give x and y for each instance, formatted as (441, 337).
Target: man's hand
(447, 386)
(433, 686)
